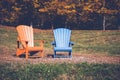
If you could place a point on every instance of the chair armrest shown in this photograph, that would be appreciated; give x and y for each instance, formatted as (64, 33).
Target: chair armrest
(53, 43)
(71, 43)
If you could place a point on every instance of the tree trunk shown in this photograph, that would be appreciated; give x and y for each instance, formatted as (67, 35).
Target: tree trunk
(104, 21)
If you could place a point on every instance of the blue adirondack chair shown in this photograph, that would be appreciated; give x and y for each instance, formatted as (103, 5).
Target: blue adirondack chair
(61, 41)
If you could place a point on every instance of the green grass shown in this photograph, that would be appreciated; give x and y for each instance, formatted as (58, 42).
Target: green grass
(86, 41)
(83, 71)
(96, 41)
(8, 40)
(101, 42)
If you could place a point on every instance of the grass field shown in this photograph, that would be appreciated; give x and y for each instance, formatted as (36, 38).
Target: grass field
(92, 41)
(82, 71)
(89, 42)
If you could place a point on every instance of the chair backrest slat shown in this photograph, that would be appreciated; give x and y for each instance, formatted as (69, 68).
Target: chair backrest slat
(62, 37)
(25, 33)
(31, 36)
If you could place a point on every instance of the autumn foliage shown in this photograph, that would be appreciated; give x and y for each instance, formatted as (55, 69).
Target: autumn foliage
(74, 14)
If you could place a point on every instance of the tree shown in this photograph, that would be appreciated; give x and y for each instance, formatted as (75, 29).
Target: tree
(61, 8)
(101, 7)
(70, 13)
(14, 12)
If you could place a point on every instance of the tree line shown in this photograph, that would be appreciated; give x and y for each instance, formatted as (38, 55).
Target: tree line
(73, 14)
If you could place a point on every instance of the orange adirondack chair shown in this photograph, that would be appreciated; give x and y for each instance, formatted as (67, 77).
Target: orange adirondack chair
(25, 42)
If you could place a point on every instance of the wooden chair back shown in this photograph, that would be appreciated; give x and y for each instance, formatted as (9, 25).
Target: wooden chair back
(25, 33)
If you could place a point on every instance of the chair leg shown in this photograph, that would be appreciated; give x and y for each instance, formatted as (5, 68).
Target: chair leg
(54, 54)
(26, 54)
(70, 54)
(26, 50)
